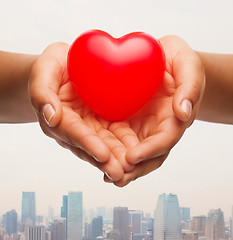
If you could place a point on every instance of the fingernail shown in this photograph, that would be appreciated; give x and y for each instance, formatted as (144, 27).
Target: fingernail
(108, 176)
(97, 160)
(48, 113)
(187, 107)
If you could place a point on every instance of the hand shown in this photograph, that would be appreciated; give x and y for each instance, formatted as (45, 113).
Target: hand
(64, 117)
(160, 124)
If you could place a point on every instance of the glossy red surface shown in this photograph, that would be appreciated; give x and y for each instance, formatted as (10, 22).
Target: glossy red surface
(115, 77)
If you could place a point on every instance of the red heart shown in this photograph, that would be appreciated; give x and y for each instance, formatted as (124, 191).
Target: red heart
(115, 77)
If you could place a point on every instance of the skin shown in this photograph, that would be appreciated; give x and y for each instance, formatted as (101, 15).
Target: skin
(15, 104)
(217, 103)
(125, 150)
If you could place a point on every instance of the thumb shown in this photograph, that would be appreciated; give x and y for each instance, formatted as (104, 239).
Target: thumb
(44, 84)
(190, 81)
(43, 88)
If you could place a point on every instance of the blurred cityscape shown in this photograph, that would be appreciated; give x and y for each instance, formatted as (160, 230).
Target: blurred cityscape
(169, 222)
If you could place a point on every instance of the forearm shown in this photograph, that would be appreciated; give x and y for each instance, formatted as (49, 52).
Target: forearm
(15, 106)
(217, 102)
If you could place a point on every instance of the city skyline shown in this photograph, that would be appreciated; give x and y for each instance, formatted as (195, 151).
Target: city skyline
(99, 208)
(170, 221)
(198, 169)
(77, 207)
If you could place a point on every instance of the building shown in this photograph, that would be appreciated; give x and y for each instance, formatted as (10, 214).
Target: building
(2, 233)
(120, 224)
(135, 221)
(64, 209)
(97, 227)
(232, 222)
(28, 216)
(87, 231)
(58, 229)
(39, 219)
(215, 225)
(35, 233)
(50, 214)
(11, 222)
(148, 227)
(75, 216)
(189, 235)
(198, 225)
(185, 214)
(167, 222)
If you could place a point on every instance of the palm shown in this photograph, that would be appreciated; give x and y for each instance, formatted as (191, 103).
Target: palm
(120, 136)
(157, 112)
(75, 127)
(155, 123)
(78, 117)
(156, 126)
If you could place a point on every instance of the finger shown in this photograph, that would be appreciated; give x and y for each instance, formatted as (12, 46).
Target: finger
(116, 147)
(112, 169)
(190, 79)
(45, 80)
(140, 170)
(113, 144)
(168, 134)
(124, 133)
(73, 130)
(78, 152)
(107, 179)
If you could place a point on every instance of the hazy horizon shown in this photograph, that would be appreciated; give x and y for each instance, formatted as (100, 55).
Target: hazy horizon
(199, 168)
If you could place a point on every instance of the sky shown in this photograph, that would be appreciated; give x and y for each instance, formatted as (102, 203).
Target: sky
(199, 168)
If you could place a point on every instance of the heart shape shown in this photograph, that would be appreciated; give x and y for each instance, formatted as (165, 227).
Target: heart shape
(115, 77)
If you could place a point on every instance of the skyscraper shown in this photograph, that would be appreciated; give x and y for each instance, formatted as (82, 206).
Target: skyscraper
(87, 230)
(58, 229)
(64, 210)
(28, 216)
(215, 225)
(185, 214)
(232, 222)
(135, 220)
(198, 225)
(35, 233)
(11, 222)
(75, 216)
(121, 223)
(50, 214)
(167, 223)
(97, 227)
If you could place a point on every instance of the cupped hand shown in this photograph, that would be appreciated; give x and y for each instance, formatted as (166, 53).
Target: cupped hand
(160, 124)
(64, 117)
(123, 150)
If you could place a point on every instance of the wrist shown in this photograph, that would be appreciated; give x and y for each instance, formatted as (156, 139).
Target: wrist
(15, 70)
(216, 105)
